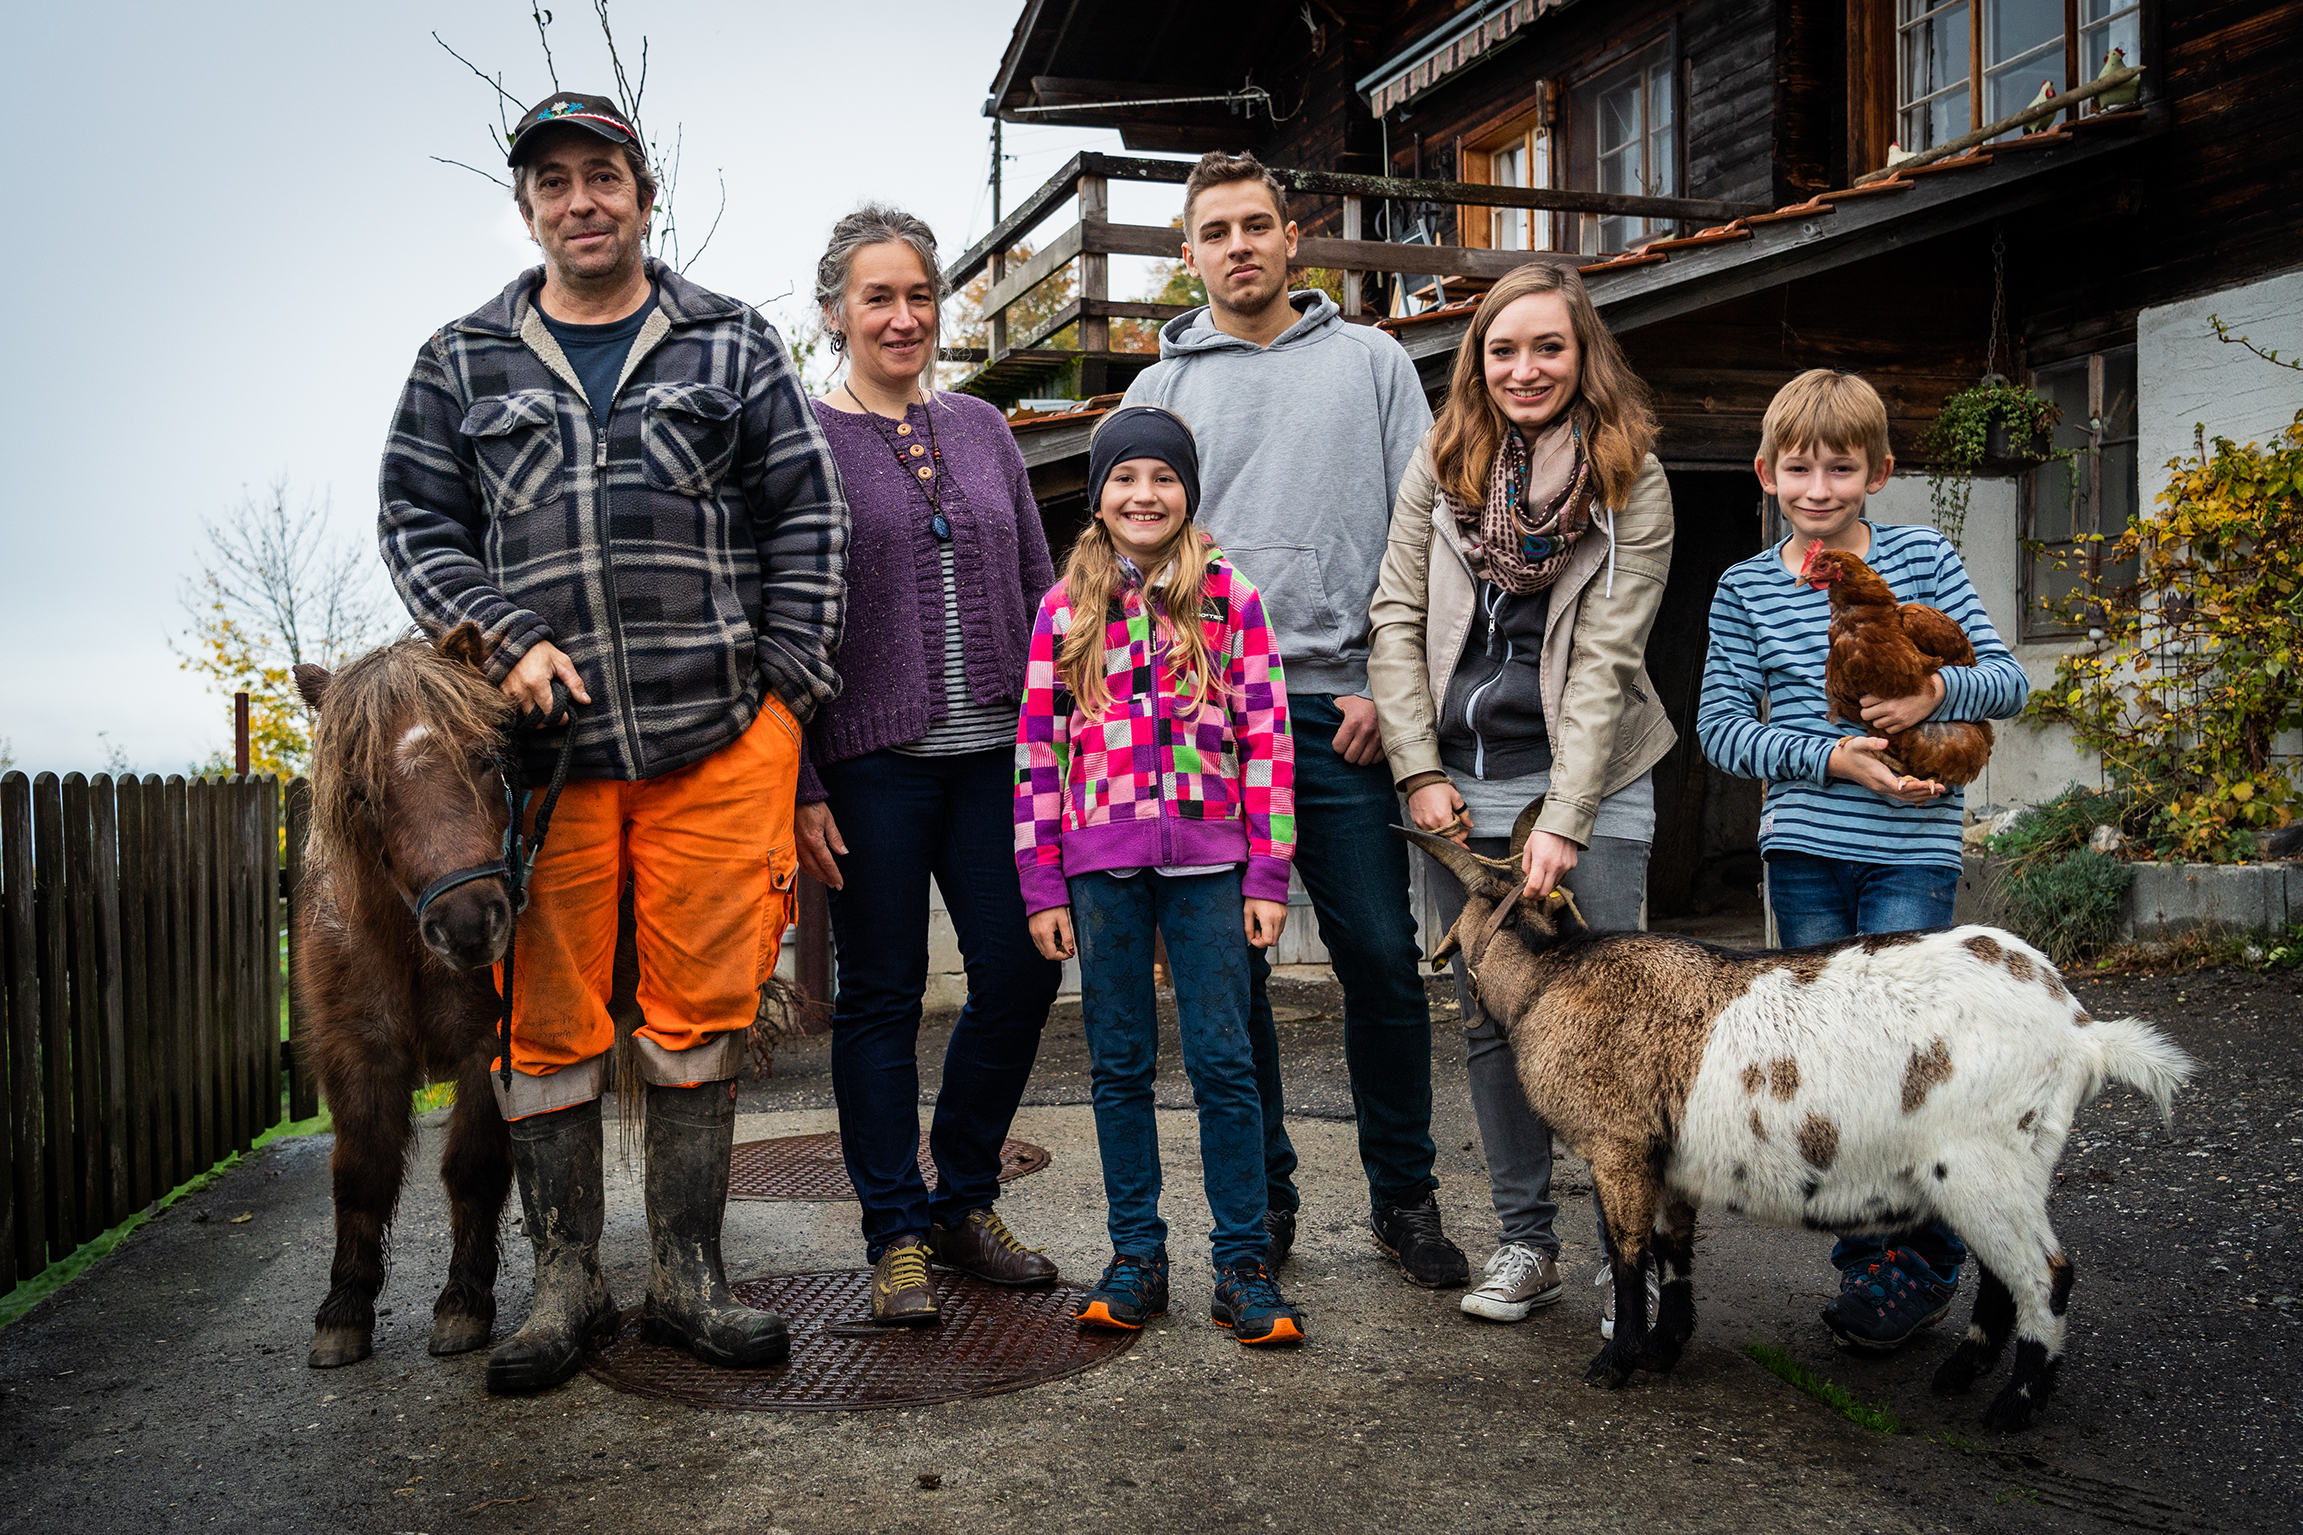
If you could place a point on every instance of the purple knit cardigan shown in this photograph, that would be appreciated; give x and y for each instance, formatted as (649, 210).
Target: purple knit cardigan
(891, 655)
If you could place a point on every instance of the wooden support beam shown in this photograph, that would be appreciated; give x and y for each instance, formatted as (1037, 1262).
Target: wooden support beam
(2008, 124)
(1479, 195)
(1095, 267)
(1039, 269)
(1351, 286)
(1103, 309)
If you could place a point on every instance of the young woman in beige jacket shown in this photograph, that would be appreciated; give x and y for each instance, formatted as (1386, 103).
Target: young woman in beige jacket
(1528, 552)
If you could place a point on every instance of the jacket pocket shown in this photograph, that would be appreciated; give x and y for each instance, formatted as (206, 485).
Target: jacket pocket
(516, 443)
(1295, 601)
(688, 436)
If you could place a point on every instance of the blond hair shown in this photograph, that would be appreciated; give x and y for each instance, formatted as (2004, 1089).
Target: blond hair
(1174, 577)
(1610, 402)
(1824, 408)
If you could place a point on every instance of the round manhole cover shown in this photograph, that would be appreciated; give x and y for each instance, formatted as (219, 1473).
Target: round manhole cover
(992, 1339)
(810, 1167)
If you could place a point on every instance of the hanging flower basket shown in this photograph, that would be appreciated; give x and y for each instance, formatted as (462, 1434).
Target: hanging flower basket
(1992, 426)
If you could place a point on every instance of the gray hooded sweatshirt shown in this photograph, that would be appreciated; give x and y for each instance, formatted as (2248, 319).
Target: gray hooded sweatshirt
(1302, 445)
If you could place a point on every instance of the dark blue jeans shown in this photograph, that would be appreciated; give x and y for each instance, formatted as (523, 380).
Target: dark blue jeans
(1207, 949)
(1818, 900)
(1354, 867)
(905, 819)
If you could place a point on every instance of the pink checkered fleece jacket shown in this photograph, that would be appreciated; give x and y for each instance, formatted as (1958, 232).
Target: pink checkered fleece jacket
(1157, 780)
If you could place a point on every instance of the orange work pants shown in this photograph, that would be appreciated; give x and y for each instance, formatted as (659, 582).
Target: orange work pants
(709, 854)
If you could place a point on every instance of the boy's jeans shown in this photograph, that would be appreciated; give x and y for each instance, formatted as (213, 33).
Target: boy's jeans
(1354, 867)
(1818, 900)
(1113, 921)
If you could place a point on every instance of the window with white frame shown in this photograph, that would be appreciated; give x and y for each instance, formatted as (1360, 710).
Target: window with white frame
(1960, 64)
(2070, 501)
(1626, 139)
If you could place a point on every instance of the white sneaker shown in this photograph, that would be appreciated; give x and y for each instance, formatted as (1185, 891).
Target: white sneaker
(1604, 1282)
(1519, 1279)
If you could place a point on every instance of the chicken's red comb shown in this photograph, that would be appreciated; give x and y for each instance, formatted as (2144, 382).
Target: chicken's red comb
(1813, 550)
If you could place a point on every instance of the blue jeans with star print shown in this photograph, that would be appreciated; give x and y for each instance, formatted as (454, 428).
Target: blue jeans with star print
(1113, 921)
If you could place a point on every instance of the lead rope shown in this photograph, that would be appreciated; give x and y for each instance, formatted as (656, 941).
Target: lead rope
(521, 848)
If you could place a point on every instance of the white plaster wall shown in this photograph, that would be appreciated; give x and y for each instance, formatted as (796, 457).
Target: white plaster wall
(2029, 763)
(2186, 379)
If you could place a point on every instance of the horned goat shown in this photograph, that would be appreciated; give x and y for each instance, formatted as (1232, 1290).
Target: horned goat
(1867, 1086)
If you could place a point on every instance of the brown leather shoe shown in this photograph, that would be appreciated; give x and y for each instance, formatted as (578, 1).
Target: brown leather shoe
(982, 1245)
(903, 1295)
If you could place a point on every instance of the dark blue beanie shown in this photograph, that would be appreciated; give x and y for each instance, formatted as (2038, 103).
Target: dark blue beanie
(1143, 431)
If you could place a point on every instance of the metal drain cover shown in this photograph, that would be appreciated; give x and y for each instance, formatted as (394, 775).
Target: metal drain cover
(993, 1339)
(809, 1167)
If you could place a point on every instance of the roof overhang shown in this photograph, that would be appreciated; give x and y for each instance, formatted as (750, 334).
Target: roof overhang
(1434, 61)
(1670, 278)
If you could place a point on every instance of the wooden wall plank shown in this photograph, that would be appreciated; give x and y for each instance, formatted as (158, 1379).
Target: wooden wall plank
(268, 904)
(303, 1090)
(135, 992)
(86, 1019)
(180, 1054)
(20, 930)
(200, 1000)
(49, 906)
(116, 1131)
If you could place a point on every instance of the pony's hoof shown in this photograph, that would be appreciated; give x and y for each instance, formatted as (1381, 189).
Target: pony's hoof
(2011, 1412)
(1607, 1371)
(333, 1347)
(1956, 1374)
(459, 1334)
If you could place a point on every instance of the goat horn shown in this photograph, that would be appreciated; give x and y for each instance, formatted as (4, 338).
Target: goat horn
(1468, 867)
(1523, 826)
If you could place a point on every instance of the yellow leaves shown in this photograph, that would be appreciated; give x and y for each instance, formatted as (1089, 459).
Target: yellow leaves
(2243, 791)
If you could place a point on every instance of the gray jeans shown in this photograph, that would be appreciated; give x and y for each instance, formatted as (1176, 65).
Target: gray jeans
(1609, 881)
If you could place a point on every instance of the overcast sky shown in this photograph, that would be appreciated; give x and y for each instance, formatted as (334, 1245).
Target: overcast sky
(233, 240)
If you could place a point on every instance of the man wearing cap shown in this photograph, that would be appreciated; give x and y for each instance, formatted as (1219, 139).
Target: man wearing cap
(616, 475)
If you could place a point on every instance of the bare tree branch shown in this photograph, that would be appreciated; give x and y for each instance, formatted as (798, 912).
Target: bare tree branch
(475, 170)
(495, 84)
(715, 229)
(543, 20)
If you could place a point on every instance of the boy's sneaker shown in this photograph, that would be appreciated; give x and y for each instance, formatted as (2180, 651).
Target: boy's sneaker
(1247, 1300)
(1131, 1293)
(1519, 1279)
(1411, 1233)
(1605, 1281)
(1279, 1234)
(1885, 1301)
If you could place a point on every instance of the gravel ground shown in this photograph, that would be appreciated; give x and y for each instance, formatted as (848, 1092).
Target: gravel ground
(167, 1389)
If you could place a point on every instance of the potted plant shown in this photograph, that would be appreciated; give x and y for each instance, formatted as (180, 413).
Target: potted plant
(1991, 424)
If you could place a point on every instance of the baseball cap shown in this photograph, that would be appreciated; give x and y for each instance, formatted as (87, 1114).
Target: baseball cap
(596, 114)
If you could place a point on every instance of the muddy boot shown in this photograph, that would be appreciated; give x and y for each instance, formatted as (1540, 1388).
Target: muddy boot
(558, 1159)
(691, 1131)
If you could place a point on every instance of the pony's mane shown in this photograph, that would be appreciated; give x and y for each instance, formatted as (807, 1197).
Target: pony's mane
(368, 706)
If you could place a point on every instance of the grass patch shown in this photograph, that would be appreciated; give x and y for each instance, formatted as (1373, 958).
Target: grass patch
(435, 1095)
(31, 1292)
(1831, 1395)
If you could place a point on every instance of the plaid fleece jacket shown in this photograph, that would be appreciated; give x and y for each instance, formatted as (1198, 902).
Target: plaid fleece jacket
(1156, 780)
(687, 555)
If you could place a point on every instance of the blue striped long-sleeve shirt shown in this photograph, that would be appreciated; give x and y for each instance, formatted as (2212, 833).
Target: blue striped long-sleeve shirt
(1770, 637)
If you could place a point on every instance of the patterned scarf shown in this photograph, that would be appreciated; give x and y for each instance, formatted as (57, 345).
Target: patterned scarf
(1518, 550)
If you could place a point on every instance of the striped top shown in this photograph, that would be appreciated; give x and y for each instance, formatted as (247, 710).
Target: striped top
(967, 726)
(1770, 636)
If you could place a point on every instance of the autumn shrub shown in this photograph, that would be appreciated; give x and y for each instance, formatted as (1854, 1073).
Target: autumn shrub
(2199, 667)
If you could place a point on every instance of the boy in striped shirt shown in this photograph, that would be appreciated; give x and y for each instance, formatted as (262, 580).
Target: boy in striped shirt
(1849, 848)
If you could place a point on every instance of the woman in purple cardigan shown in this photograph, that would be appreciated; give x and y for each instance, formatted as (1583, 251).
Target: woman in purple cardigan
(910, 772)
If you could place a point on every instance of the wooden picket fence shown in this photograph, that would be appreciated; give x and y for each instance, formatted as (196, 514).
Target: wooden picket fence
(140, 967)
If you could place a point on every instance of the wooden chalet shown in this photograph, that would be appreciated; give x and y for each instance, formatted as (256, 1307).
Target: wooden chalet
(1721, 172)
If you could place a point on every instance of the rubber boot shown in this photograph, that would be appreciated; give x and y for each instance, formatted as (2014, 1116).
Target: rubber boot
(557, 1156)
(691, 1132)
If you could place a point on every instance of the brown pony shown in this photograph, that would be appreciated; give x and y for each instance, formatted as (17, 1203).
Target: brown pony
(405, 789)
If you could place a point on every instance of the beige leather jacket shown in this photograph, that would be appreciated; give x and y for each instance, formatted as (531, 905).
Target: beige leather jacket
(1607, 726)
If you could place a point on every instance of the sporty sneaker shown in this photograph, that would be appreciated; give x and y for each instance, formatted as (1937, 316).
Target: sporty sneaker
(1519, 1279)
(1885, 1301)
(1247, 1300)
(1132, 1292)
(1411, 1234)
(1604, 1280)
(1279, 1234)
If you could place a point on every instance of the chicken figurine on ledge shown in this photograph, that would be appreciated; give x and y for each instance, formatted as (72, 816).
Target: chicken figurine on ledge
(1888, 650)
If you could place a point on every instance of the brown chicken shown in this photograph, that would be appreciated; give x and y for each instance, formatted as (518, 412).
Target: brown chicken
(1888, 649)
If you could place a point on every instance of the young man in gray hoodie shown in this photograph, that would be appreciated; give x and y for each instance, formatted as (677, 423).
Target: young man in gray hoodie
(1305, 426)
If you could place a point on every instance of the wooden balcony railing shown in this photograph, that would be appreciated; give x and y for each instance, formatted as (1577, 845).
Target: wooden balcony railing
(1010, 363)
